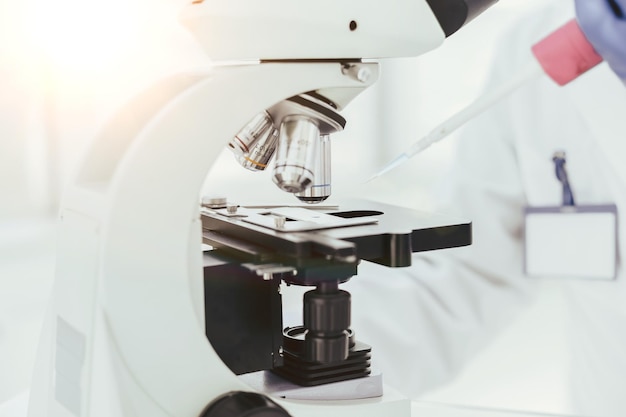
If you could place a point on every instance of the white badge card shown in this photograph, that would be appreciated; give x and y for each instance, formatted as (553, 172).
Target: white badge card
(571, 242)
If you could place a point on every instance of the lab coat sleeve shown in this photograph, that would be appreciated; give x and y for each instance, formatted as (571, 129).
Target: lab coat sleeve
(426, 321)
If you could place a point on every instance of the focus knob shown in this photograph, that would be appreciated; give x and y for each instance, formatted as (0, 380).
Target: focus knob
(244, 404)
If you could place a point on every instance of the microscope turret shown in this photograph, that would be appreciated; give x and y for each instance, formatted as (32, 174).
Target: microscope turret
(298, 130)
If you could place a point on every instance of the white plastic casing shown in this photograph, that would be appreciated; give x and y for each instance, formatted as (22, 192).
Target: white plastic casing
(320, 29)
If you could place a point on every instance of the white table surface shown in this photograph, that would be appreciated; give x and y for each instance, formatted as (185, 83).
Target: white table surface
(17, 407)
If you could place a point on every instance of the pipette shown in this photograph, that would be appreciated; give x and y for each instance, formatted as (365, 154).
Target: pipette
(457, 120)
(563, 56)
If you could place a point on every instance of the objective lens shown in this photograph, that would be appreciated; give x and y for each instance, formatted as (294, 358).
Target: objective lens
(245, 139)
(320, 190)
(296, 151)
(261, 153)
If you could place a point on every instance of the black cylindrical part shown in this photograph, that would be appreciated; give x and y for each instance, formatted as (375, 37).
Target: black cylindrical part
(327, 320)
(327, 313)
(453, 14)
(326, 349)
(244, 404)
(400, 249)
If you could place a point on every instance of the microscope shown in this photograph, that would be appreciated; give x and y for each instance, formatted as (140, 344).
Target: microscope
(142, 321)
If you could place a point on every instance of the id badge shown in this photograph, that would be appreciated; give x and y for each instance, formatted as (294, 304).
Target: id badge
(571, 242)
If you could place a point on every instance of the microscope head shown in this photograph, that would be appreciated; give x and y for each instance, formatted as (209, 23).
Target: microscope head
(282, 30)
(322, 29)
(298, 129)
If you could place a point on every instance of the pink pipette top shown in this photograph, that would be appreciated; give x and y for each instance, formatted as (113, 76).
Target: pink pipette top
(566, 53)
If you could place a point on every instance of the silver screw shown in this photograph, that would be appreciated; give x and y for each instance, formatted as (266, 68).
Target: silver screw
(214, 202)
(357, 72)
(279, 222)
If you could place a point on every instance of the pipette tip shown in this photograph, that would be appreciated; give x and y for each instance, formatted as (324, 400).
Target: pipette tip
(372, 178)
(397, 161)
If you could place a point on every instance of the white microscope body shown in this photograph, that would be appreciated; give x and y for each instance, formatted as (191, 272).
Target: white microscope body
(124, 335)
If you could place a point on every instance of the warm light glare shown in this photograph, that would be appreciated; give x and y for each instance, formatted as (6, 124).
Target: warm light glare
(82, 35)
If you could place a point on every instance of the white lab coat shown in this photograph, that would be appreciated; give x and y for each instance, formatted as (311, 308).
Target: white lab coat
(428, 320)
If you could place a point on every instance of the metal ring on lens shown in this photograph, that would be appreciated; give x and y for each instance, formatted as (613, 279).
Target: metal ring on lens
(320, 190)
(261, 153)
(245, 139)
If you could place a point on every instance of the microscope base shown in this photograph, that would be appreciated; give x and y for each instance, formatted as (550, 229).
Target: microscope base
(273, 385)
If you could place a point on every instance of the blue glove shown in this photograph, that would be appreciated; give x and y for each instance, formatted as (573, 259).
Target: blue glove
(604, 24)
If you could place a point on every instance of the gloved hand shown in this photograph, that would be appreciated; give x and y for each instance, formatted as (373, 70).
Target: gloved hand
(604, 24)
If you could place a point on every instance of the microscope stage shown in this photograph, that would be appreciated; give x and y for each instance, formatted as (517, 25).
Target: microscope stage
(366, 230)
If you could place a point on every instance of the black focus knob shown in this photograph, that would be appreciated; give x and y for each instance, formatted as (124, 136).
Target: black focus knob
(327, 319)
(244, 404)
